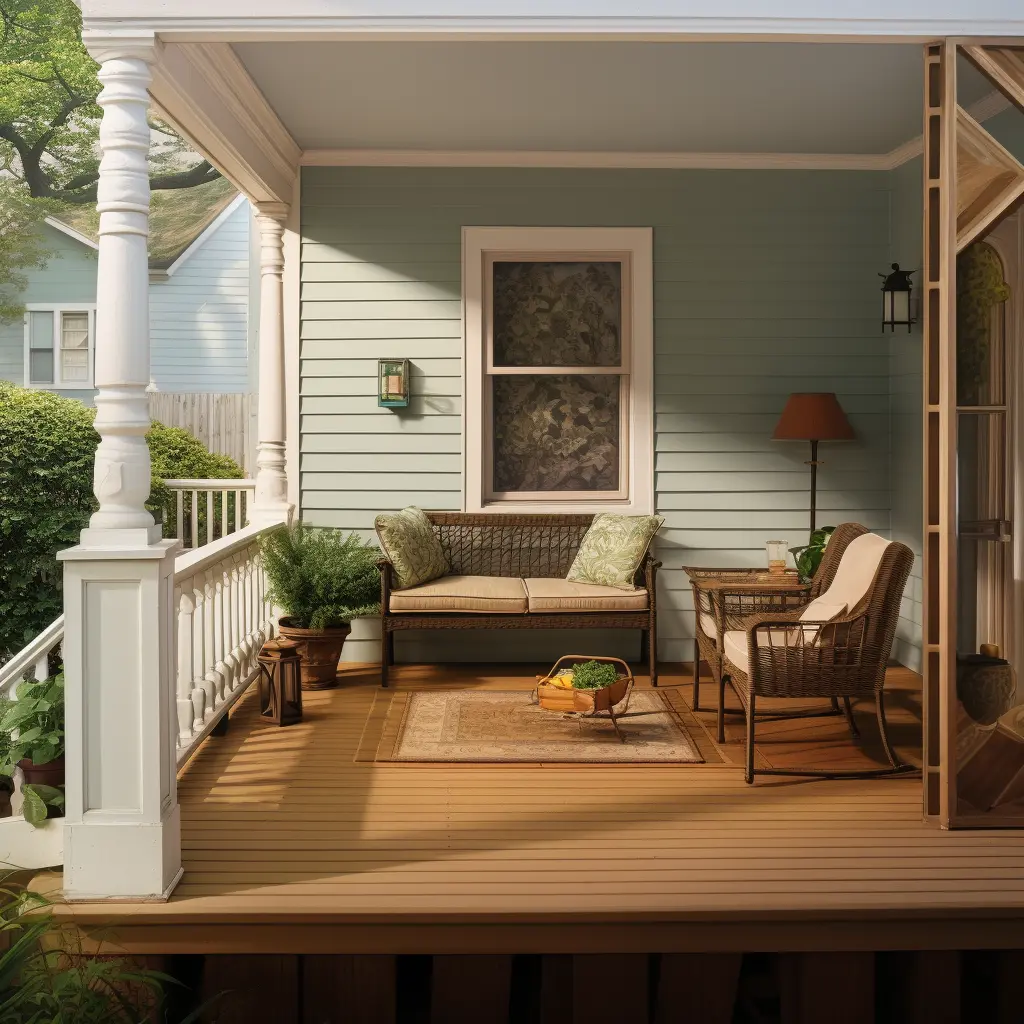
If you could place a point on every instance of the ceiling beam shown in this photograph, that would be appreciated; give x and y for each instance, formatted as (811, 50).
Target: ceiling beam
(205, 92)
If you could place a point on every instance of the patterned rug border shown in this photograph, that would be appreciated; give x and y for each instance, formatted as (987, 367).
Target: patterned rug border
(386, 720)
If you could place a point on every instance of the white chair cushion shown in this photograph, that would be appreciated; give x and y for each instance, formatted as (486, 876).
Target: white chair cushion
(734, 644)
(853, 578)
(707, 625)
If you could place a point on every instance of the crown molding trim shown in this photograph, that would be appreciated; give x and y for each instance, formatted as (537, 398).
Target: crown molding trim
(593, 159)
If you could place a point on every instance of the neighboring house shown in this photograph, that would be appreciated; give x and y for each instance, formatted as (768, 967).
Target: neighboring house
(201, 302)
(424, 184)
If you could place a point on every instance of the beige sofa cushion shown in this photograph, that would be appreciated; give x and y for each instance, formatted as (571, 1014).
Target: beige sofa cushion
(481, 594)
(554, 595)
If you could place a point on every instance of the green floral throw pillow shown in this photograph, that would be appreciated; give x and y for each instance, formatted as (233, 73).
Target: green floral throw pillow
(412, 547)
(613, 549)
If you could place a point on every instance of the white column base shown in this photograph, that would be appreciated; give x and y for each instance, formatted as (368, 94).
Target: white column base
(147, 859)
(122, 832)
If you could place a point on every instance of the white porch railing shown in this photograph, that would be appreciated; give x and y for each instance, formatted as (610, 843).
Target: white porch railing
(223, 619)
(206, 510)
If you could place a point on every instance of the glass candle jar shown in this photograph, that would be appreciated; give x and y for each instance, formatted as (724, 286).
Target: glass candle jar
(777, 555)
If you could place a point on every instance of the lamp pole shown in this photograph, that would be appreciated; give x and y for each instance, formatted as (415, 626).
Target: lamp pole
(814, 480)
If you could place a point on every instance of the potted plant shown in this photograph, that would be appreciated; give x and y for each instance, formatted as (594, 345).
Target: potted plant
(320, 579)
(33, 740)
(808, 558)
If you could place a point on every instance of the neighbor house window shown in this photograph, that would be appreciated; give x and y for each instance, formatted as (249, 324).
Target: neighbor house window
(59, 342)
(558, 369)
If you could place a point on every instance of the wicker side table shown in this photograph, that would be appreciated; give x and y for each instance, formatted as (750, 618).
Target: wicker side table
(723, 598)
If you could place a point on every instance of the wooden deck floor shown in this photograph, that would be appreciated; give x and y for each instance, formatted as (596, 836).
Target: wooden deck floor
(291, 846)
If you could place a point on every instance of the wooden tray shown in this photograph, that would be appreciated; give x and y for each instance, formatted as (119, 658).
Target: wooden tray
(554, 698)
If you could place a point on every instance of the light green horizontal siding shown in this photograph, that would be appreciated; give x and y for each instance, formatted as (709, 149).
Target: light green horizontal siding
(765, 283)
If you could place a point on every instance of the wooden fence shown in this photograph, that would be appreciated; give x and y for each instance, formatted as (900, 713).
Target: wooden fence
(221, 422)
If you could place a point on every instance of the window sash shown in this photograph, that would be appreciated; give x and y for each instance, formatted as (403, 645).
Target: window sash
(59, 347)
(621, 493)
(624, 259)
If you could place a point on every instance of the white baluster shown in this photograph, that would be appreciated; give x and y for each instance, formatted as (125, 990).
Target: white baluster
(211, 518)
(179, 518)
(226, 681)
(199, 702)
(232, 669)
(186, 710)
(195, 519)
(42, 667)
(212, 682)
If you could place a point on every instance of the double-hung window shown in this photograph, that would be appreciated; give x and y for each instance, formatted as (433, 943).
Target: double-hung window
(558, 369)
(59, 345)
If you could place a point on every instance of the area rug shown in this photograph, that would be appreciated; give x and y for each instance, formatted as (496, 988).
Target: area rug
(475, 726)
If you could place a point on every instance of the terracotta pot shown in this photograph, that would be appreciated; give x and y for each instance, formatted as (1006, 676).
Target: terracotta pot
(49, 774)
(320, 650)
(6, 786)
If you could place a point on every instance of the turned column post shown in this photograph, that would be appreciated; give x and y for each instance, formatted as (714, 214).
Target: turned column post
(122, 835)
(270, 503)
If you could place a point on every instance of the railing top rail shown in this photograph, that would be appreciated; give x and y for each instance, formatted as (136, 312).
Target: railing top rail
(188, 563)
(12, 671)
(220, 484)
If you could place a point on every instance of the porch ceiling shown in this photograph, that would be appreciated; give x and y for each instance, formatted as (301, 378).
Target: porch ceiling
(671, 97)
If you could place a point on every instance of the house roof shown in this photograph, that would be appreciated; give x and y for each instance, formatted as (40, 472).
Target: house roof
(178, 218)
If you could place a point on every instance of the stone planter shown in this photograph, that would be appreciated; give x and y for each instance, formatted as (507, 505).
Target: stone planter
(320, 650)
(363, 644)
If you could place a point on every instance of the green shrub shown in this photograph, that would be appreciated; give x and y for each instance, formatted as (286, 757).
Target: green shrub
(319, 577)
(47, 445)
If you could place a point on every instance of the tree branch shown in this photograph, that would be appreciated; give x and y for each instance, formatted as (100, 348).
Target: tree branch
(202, 173)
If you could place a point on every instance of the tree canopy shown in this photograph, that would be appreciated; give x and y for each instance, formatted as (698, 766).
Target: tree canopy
(49, 118)
(21, 245)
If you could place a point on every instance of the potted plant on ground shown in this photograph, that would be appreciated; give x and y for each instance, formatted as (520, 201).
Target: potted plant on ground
(33, 740)
(321, 580)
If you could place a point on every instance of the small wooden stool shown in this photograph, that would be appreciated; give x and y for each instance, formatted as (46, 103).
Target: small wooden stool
(280, 682)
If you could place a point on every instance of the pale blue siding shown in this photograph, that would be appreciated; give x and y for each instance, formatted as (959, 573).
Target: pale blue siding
(198, 316)
(765, 283)
(70, 276)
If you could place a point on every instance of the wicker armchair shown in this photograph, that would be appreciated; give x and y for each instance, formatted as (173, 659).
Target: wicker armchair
(842, 658)
(730, 611)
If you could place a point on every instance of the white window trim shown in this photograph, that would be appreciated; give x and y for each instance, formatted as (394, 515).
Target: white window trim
(56, 309)
(478, 243)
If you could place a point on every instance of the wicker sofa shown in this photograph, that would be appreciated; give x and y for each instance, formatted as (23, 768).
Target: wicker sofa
(508, 572)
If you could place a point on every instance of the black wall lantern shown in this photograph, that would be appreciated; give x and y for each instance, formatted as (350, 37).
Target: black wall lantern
(896, 306)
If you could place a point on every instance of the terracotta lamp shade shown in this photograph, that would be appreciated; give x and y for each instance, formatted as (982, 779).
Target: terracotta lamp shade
(813, 417)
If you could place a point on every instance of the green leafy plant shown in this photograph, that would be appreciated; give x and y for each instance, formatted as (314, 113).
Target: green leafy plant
(320, 577)
(808, 558)
(47, 446)
(593, 675)
(32, 728)
(979, 287)
(35, 723)
(46, 978)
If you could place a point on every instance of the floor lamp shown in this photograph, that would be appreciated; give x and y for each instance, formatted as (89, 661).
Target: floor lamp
(813, 417)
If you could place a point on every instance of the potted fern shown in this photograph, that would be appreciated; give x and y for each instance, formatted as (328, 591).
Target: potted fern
(321, 580)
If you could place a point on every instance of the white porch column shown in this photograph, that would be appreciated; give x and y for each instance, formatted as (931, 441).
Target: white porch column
(270, 504)
(122, 833)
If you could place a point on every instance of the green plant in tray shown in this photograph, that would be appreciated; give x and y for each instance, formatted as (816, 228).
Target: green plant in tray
(593, 675)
